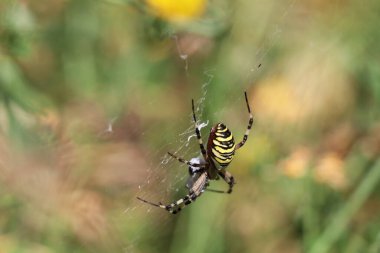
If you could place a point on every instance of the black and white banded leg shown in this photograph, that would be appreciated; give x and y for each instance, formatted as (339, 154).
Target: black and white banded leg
(197, 188)
(228, 178)
(186, 161)
(250, 122)
(174, 207)
(198, 133)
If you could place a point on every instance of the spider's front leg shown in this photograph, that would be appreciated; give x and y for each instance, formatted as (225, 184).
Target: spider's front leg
(177, 206)
(195, 191)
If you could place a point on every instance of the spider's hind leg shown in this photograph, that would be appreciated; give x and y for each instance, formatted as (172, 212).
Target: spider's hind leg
(228, 178)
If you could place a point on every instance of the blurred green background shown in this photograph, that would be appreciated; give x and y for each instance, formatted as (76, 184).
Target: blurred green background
(94, 93)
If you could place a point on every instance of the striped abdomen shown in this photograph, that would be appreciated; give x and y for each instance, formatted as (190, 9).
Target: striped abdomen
(221, 145)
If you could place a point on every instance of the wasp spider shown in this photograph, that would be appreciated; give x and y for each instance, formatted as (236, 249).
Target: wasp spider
(211, 165)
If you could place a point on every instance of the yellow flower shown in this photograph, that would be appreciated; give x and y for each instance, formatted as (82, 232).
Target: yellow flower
(177, 10)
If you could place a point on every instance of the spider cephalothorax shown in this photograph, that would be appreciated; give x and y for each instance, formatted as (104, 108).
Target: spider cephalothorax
(211, 165)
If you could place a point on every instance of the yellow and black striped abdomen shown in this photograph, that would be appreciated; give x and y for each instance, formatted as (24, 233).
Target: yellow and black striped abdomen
(221, 145)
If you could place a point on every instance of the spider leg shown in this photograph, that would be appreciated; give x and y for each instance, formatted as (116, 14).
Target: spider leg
(177, 206)
(250, 122)
(198, 133)
(150, 203)
(228, 178)
(193, 179)
(186, 161)
(216, 191)
(196, 190)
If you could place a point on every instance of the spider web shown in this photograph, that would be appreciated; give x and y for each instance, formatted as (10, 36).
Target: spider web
(168, 176)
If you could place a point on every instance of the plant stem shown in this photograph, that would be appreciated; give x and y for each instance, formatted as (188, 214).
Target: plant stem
(344, 215)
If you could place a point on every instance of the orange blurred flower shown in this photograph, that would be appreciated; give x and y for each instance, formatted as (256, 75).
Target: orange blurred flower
(295, 166)
(177, 10)
(302, 95)
(275, 100)
(330, 171)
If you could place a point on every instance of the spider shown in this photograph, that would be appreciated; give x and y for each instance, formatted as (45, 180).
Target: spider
(211, 165)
